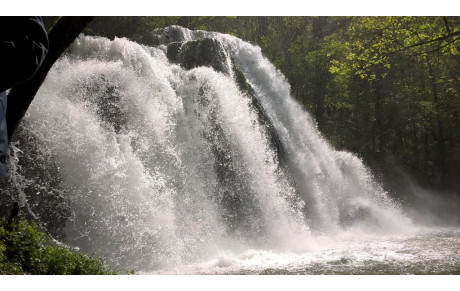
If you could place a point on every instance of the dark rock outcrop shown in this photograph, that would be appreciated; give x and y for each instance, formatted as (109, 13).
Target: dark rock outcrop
(239, 205)
(39, 181)
(212, 53)
(206, 52)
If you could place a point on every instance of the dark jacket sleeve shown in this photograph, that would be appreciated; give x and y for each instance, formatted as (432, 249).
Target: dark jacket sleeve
(23, 47)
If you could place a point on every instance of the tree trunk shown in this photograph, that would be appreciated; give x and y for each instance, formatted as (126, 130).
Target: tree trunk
(439, 135)
(61, 35)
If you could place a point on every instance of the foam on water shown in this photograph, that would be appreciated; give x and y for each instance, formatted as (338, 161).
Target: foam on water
(432, 251)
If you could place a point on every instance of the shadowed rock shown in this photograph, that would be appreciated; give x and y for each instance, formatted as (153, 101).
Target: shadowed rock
(206, 52)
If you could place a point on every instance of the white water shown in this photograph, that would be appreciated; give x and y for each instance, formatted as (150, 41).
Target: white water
(144, 184)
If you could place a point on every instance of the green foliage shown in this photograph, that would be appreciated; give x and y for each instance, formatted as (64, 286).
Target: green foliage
(411, 67)
(26, 250)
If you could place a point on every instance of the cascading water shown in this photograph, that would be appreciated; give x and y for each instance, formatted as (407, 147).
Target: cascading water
(162, 159)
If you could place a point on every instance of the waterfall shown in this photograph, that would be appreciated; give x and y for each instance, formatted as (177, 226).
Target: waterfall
(157, 156)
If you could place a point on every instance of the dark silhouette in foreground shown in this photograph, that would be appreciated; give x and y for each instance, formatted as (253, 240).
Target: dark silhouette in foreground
(23, 48)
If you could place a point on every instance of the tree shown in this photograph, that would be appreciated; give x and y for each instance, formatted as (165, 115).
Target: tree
(411, 64)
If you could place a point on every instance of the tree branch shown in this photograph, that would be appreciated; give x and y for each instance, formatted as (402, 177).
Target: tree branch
(436, 49)
(447, 24)
(452, 34)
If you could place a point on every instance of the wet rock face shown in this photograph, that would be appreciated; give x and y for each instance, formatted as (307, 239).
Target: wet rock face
(238, 205)
(38, 182)
(35, 181)
(212, 53)
(173, 50)
(105, 99)
(274, 140)
(206, 52)
(109, 107)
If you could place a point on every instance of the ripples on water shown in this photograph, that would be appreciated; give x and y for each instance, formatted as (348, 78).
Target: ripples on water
(432, 251)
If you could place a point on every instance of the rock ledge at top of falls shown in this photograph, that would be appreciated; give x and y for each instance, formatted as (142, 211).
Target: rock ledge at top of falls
(206, 52)
(190, 49)
(211, 52)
